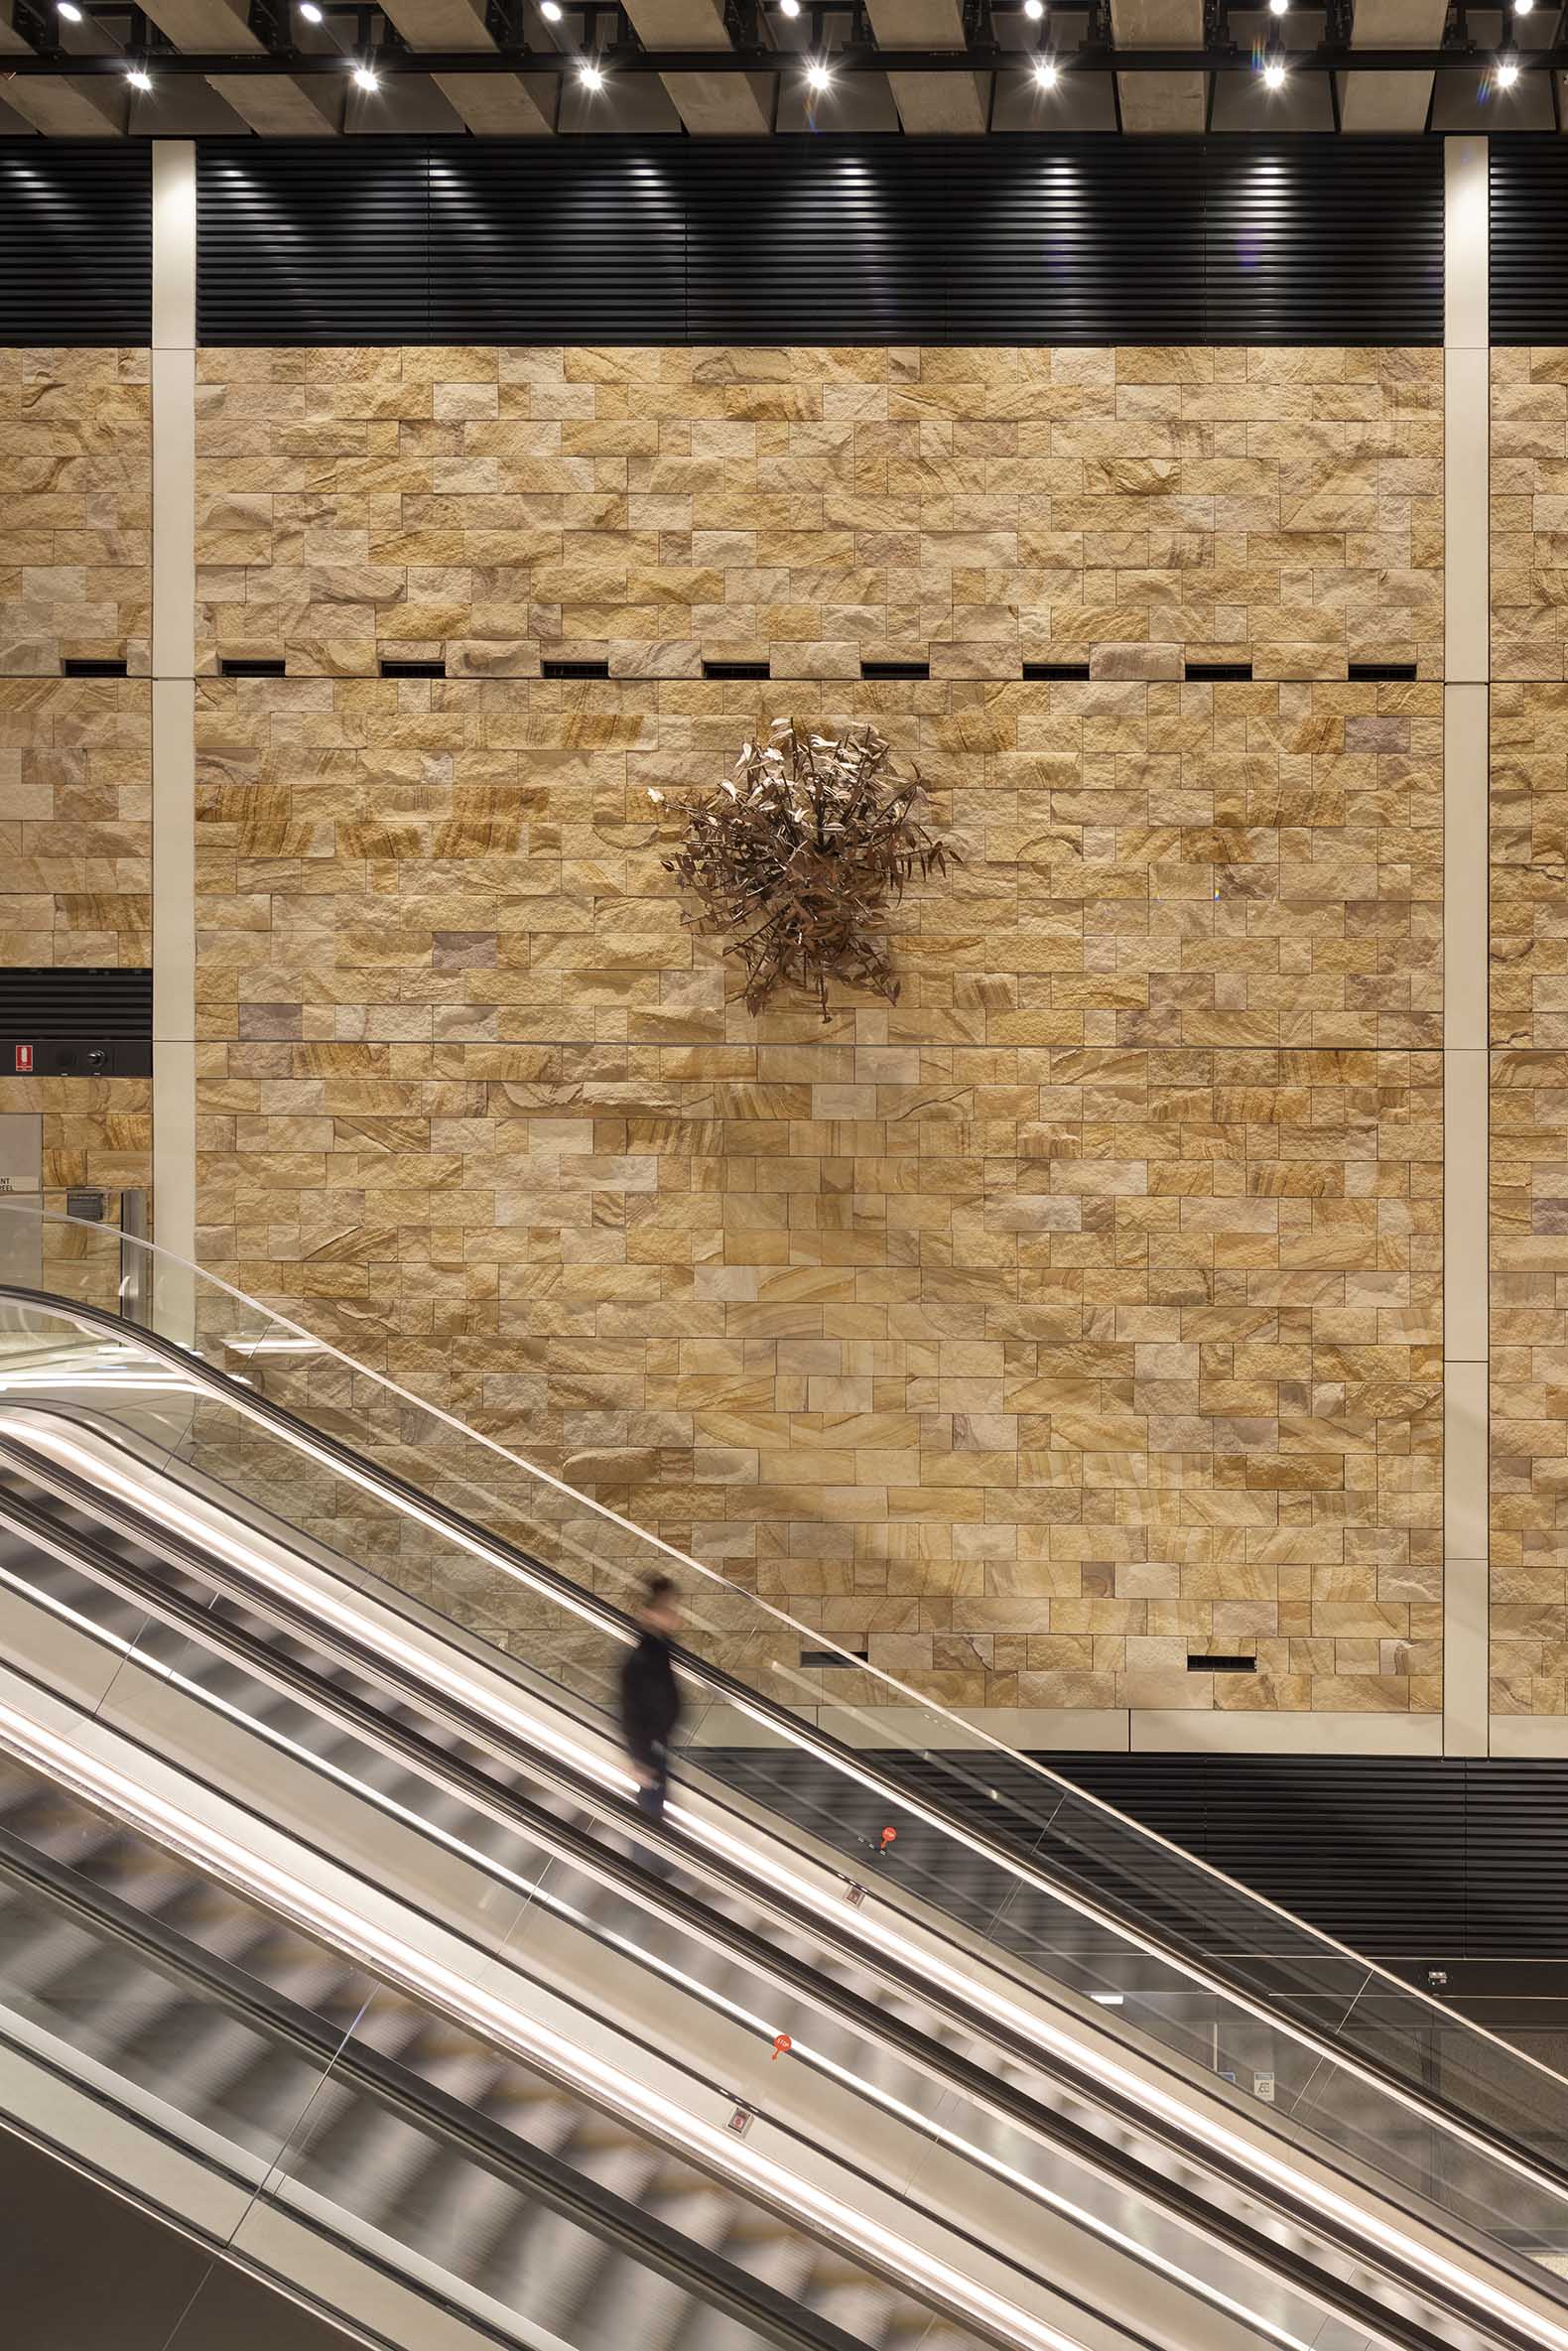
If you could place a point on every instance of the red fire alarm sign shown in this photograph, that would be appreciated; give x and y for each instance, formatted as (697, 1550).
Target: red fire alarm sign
(24, 1061)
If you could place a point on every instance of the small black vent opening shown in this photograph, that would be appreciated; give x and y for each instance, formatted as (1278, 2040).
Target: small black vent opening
(251, 665)
(1063, 671)
(1367, 671)
(896, 669)
(820, 1659)
(1218, 1662)
(86, 668)
(574, 669)
(413, 669)
(737, 669)
(1218, 672)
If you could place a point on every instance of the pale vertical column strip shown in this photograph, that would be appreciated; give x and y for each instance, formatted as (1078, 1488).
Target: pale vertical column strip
(1465, 719)
(174, 713)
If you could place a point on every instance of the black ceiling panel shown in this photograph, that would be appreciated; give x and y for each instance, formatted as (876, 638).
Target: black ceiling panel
(1315, 240)
(75, 241)
(1530, 223)
(803, 241)
(312, 241)
(1064, 241)
(557, 242)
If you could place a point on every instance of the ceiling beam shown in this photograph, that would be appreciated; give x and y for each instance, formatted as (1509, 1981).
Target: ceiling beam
(711, 103)
(955, 104)
(1122, 63)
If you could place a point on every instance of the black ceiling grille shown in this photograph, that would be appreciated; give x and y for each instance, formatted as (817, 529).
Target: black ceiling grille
(1529, 223)
(1310, 242)
(880, 240)
(75, 241)
(76, 1023)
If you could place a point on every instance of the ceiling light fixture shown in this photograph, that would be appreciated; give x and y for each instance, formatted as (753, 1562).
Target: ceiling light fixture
(1278, 7)
(139, 78)
(366, 77)
(1507, 72)
(311, 13)
(1274, 73)
(789, 7)
(1523, 7)
(589, 74)
(817, 74)
(70, 10)
(1045, 73)
(1034, 10)
(550, 10)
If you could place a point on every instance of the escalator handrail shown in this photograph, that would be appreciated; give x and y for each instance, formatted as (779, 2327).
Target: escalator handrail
(1081, 2143)
(1197, 1966)
(616, 1621)
(615, 2222)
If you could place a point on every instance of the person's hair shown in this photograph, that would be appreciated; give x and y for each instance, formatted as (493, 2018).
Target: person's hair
(657, 1590)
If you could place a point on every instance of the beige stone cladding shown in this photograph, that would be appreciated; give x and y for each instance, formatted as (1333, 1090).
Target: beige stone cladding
(1131, 508)
(1529, 1196)
(74, 510)
(1078, 1310)
(1529, 515)
(74, 888)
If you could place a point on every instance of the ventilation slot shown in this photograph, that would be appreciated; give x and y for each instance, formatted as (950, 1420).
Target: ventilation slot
(244, 665)
(1221, 1664)
(93, 669)
(574, 669)
(737, 669)
(896, 669)
(413, 669)
(1367, 672)
(819, 1659)
(1218, 672)
(1043, 672)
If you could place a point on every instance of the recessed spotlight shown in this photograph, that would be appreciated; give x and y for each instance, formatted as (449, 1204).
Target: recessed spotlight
(1274, 73)
(591, 75)
(1045, 73)
(550, 10)
(1034, 10)
(818, 76)
(139, 78)
(69, 10)
(366, 77)
(1278, 7)
(311, 13)
(789, 7)
(1523, 7)
(1507, 72)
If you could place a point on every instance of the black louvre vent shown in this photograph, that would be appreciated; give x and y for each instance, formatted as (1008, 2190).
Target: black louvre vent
(1365, 673)
(1063, 671)
(1529, 223)
(896, 669)
(574, 669)
(1216, 670)
(252, 665)
(413, 669)
(88, 668)
(76, 1023)
(1217, 1662)
(75, 241)
(884, 240)
(737, 669)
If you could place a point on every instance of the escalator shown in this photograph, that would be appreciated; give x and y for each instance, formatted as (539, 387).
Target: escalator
(322, 2132)
(1011, 1959)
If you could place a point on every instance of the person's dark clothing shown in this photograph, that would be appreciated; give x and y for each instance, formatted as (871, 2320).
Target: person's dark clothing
(650, 1709)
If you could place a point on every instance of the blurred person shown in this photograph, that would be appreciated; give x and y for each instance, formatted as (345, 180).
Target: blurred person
(650, 1697)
